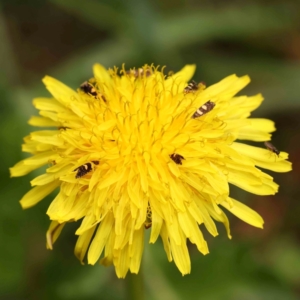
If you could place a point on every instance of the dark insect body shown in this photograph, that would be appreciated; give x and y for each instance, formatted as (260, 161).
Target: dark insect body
(204, 109)
(272, 148)
(148, 222)
(191, 87)
(84, 169)
(147, 225)
(177, 158)
(88, 88)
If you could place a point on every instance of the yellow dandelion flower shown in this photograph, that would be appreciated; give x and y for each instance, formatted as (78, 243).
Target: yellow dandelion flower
(133, 150)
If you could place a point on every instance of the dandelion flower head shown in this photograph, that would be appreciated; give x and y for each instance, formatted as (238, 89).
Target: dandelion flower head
(136, 150)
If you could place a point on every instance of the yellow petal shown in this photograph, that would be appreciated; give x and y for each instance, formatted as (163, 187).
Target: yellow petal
(20, 169)
(264, 158)
(276, 166)
(101, 73)
(185, 74)
(258, 130)
(38, 193)
(60, 91)
(48, 104)
(53, 233)
(122, 261)
(42, 122)
(136, 250)
(226, 88)
(47, 137)
(180, 79)
(83, 243)
(181, 256)
(100, 239)
(244, 212)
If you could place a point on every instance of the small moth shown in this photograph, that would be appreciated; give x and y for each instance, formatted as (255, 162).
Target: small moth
(84, 169)
(177, 158)
(191, 87)
(204, 109)
(89, 89)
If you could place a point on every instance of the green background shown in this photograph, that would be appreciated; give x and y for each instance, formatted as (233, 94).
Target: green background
(64, 39)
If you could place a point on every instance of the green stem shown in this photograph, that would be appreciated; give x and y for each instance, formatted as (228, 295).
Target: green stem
(135, 286)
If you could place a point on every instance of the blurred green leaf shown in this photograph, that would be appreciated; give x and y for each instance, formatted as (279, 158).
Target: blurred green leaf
(8, 72)
(96, 13)
(284, 259)
(231, 271)
(157, 283)
(184, 28)
(85, 285)
(204, 25)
